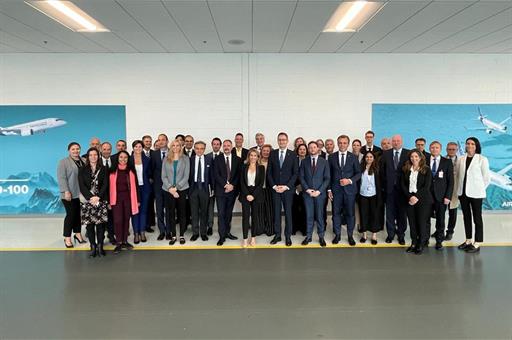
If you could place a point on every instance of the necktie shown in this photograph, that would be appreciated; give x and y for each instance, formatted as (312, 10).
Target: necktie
(108, 163)
(228, 169)
(199, 172)
(163, 154)
(395, 160)
(314, 166)
(342, 165)
(281, 159)
(434, 167)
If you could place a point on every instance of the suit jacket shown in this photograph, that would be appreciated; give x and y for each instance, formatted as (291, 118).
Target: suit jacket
(146, 168)
(221, 177)
(389, 175)
(454, 201)
(478, 176)
(285, 175)
(67, 177)
(376, 150)
(193, 153)
(423, 184)
(257, 189)
(182, 174)
(351, 170)
(320, 179)
(244, 154)
(208, 171)
(442, 181)
(322, 154)
(156, 168)
(85, 182)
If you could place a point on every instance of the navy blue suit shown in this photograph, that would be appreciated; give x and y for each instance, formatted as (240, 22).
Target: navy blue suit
(316, 179)
(199, 193)
(140, 221)
(396, 202)
(156, 175)
(226, 201)
(344, 197)
(282, 175)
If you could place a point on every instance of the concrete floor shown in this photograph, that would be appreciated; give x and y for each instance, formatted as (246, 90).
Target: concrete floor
(259, 294)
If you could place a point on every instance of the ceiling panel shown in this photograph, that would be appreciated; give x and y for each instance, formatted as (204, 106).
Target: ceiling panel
(389, 17)
(195, 19)
(233, 20)
(20, 44)
(477, 45)
(499, 47)
(271, 21)
(428, 17)
(307, 24)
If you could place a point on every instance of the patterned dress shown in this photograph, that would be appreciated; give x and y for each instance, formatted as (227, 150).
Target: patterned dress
(94, 214)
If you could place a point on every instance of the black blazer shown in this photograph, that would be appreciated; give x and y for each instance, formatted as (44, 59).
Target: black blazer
(244, 153)
(389, 175)
(422, 186)
(208, 171)
(192, 154)
(376, 150)
(257, 189)
(85, 181)
(156, 169)
(322, 154)
(220, 174)
(287, 175)
(442, 181)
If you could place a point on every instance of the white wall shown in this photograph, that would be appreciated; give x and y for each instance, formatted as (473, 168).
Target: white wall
(207, 95)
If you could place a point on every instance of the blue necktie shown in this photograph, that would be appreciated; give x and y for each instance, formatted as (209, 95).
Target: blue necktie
(434, 168)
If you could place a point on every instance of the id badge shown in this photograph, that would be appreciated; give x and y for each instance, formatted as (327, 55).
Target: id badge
(440, 174)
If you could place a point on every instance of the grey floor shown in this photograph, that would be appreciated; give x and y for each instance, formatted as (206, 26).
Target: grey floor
(259, 294)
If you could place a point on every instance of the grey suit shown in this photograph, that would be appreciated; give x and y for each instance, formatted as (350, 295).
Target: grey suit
(182, 174)
(67, 176)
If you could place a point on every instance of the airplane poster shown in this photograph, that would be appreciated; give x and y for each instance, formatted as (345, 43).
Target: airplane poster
(33, 138)
(490, 123)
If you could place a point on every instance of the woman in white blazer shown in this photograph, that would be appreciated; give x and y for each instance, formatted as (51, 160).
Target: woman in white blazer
(473, 178)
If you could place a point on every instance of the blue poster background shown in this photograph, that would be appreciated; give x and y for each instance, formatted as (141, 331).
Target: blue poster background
(455, 122)
(28, 164)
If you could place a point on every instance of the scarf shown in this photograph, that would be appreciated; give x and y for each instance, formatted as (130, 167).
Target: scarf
(133, 189)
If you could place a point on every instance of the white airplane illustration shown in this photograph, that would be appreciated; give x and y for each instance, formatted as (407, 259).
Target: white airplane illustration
(489, 125)
(30, 128)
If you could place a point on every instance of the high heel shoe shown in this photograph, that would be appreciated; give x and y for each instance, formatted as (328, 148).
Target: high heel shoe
(78, 240)
(68, 245)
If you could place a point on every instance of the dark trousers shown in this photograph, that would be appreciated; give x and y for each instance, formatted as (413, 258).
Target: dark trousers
(284, 200)
(343, 204)
(396, 213)
(96, 232)
(176, 207)
(139, 221)
(472, 206)
(122, 212)
(72, 221)
(225, 205)
(452, 220)
(110, 225)
(417, 215)
(248, 217)
(151, 210)
(211, 208)
(369, 211)
(199, 198)
(315, 212)
(438, 211)
(160, 208)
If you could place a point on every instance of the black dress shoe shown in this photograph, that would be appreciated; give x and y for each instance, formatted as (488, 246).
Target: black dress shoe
(419, 251)
(172, 241)
(150, 230)
(204, 237)
(136, 239)
(336, 239)
(194, 238)
(117, 249)
(401, 241)
(209, 232)
(322, 242)
(231, 237)
(362, 240)
(306, 241)
(411, 249)
(288, 242)
(221, 242)
(448, 236)
(143, 238)
(439, 245)
(161, 237)
(472, 249)
(101, 251)
(389, 239)
(182, 240)
(168, 236)
(351, 241)
(374, 242)
(275, 240)
(463, 246)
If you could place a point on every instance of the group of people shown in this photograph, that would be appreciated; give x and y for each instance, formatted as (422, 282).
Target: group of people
(170, 183)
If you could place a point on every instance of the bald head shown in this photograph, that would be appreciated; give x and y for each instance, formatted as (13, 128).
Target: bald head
(396, 142)
(95, 143)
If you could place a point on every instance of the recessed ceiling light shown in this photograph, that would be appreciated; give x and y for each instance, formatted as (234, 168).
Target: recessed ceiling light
(353, 15)
(236, 42)
(68, 14)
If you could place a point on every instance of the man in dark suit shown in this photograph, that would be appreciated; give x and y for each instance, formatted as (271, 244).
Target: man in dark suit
(157, 157)
(148, 143)
(441, 189)
(452, 149)
(227, 179)
(314, 179)
(345, 172)
(420, 144)
(260, 141)
(120, 146)
(369, 136)
(216, 145)
(239, 149)
(93, 143)
(282, 172)
(188, 149)
(392, 162)
(201, 171)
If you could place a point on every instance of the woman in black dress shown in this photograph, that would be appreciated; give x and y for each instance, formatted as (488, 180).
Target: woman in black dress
(268, 205)
(252, 197)
(298, 208)
(369, 197)
(93, 182)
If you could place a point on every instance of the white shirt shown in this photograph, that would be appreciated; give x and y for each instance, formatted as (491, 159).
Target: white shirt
(368, 188)
(147, 152)
(140, 178)
(438, 158)
(315, 157)
(399, 153)
(215, 154)
(104, 161)
(251, 178)
(413, 181)
(197, 166)
(283, 153)
(188, 152)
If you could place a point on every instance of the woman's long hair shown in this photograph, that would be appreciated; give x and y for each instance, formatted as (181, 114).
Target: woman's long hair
(170, 155)
(477, 144)
(374, 168)
(423, 168)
